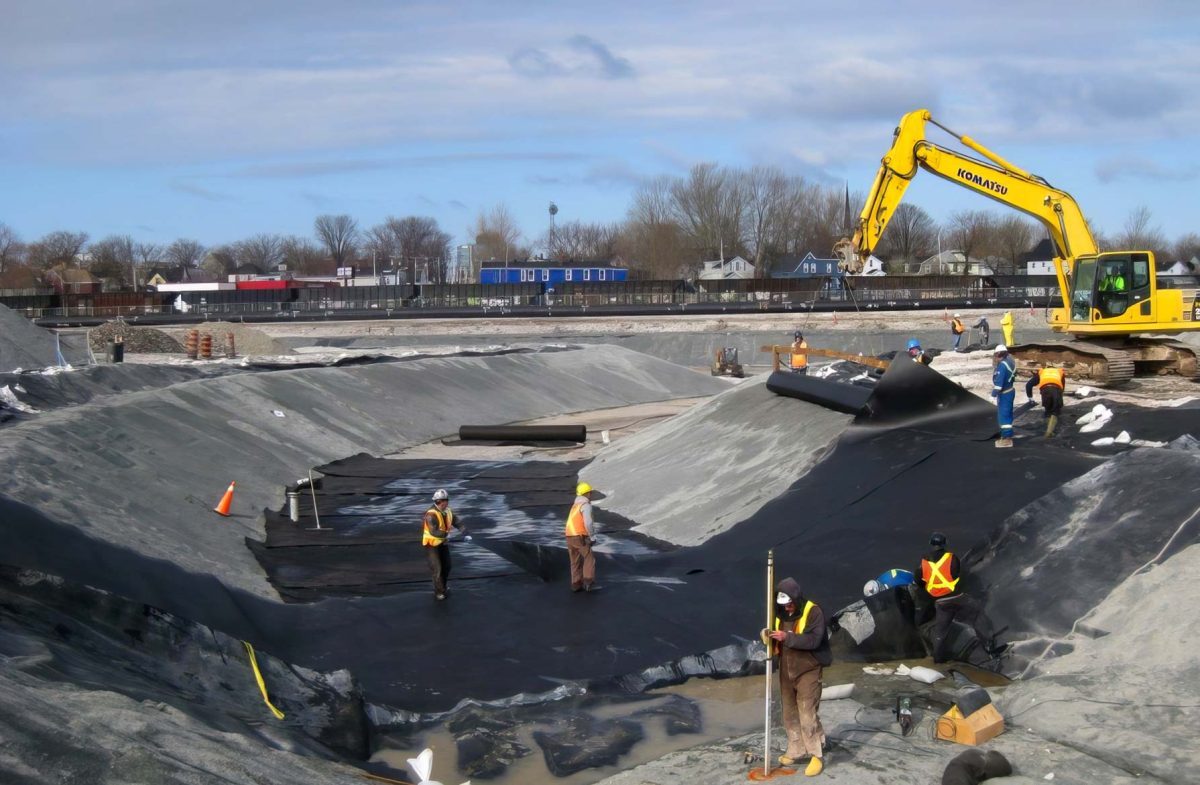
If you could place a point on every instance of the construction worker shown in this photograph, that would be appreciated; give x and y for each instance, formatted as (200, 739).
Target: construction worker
(957, 329)
(941, 576)
(1005, 393)
(800, 639)
(799, 360)
(918, 354)
(888, 580)
(984, 329)
(1006, 326)
(580, 532)
(435, 531)
(1053, 384)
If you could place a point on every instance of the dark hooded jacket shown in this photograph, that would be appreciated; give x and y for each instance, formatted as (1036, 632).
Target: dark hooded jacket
(801, 651)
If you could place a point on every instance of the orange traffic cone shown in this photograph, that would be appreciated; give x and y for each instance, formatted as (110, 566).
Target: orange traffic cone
(222, 508)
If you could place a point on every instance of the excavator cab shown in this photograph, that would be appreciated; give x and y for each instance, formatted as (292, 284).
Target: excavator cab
(1113, 286)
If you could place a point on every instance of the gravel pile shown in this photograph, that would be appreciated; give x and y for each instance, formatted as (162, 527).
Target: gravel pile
(140, 340)
(247, 340)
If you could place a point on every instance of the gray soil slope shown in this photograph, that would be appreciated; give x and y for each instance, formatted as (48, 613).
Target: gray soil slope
(162, 458)
(700, 473)
(25, 345)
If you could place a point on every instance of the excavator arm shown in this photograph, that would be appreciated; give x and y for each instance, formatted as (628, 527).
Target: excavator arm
(994, 177)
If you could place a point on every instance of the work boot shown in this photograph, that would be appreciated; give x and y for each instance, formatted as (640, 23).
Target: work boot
(1004, 442)
(1051, 423)
(439, 596)
(815, 767)
(592, 587)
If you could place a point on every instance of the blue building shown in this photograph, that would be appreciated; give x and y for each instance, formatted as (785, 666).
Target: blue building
(807, 266)
(549, 272)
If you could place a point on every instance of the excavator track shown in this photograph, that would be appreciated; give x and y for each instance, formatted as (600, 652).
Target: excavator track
(1082, 361)
(1111, 365)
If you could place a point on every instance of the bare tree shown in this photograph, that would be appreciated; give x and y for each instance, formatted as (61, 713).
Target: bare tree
(710, 206)
(1139, 234)
(497, 235)
(1013, 238)
(576, 241)
(302, 256)
(654, 242)
(263, 251)
(421, 243)
(57, 249)
(970, 232)
(12, 250)
(1187, 248)
(184, 254)
(910, 235)
(113, 259)
(339, 235)
(766, 191)
(148, 254)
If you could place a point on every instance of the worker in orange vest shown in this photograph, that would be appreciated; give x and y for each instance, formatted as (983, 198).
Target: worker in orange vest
(435, 531)
(799, 360)
(801, 641)
(957, 329)
(1053, 383)
(580, 538)
(940, 576)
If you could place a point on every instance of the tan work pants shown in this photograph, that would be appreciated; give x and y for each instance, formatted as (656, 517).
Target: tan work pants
(801, 700)
(583, 563)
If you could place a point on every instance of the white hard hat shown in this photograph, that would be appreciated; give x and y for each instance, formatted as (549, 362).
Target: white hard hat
(782, 598)
(871, 588)
(1000, 348)
(440, 495)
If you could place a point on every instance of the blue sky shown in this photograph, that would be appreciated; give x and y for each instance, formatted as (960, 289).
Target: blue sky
(219, 119)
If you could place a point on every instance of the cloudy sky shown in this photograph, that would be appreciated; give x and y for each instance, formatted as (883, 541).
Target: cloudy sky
(224, 118)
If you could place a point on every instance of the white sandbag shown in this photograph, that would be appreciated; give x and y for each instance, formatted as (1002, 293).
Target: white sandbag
(923, 674)
(1103, 418)
(1147, 443)
(836, 692)
(877, 670)
(1084, 392)
(1103, 441)
(1123, 438)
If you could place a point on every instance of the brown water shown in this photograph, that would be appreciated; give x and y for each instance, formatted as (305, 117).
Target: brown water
(728, 708)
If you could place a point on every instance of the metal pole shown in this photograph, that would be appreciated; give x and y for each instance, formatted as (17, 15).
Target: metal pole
(770, 646)
(313, 490)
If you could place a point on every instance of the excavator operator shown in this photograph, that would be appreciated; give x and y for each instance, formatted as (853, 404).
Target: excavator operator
(1112, 290)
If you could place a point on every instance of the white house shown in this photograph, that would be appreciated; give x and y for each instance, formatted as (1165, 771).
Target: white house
(954, 263)
(733, 268)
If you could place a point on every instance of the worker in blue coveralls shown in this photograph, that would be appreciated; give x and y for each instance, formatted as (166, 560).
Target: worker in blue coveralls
(888, 580)
(1005, 392)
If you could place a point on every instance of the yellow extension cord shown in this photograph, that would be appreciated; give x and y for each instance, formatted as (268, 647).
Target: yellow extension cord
(262, 685)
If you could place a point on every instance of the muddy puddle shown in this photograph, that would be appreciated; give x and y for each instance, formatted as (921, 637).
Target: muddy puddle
(728, 708)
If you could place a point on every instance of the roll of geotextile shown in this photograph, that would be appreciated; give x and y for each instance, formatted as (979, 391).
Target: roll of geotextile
(523, 433)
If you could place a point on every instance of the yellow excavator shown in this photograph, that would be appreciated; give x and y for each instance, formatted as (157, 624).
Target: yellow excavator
(1111, 300)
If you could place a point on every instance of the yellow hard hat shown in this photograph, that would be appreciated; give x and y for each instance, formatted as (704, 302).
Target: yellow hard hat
(582, 488)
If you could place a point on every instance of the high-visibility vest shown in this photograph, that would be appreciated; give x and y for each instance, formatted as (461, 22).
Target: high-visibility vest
(441, 529)
(956, 327)
(799, 360)
(799, 625)
(1050, 376)
(576, 526)
(937, 576)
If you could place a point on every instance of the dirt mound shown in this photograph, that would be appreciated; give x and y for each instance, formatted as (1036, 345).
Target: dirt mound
(141, 340)
(247, 340)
